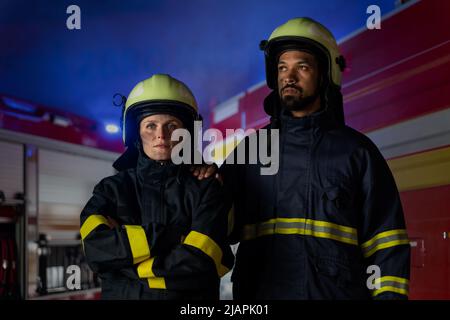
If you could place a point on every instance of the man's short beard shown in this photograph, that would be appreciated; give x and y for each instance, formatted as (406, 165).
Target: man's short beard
(293, 103)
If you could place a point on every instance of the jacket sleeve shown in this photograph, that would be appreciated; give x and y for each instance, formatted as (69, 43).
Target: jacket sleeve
(383, 237)
(236, 188)
(203, 251)
(234, 193)
(109, 248)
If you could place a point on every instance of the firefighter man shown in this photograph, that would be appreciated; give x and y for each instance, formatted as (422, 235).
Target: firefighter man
(153, 230)
(332, 212)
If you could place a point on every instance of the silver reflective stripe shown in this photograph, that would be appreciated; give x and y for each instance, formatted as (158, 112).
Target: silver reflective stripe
(386, 239)
(312, 227)
(395, 284)
(316, 228)
(392, 284)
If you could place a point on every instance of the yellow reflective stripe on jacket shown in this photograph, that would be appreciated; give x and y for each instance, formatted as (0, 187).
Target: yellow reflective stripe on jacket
(157, 283)
(138, 243)
(209, 247)
(92, 222)
(145, 270)
(385, 240)
(392, 284)
(301, 226)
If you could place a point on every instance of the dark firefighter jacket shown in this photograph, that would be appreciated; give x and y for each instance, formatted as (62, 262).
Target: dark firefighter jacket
(320, 227)
(171, 242)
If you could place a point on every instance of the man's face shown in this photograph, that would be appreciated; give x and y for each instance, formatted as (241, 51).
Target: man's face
(298, 79)
(155, 132)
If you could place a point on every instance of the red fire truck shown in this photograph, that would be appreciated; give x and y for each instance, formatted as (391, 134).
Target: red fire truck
(49, 163)
(397, 91)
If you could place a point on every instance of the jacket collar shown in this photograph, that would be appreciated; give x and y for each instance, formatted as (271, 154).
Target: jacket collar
(283, 118)
(321, 118)
(135, 158)
(146, 165)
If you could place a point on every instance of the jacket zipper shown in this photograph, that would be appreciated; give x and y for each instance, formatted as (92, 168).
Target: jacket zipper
(162, 189)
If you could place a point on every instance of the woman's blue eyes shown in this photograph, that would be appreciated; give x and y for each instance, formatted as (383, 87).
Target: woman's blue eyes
(154, 126)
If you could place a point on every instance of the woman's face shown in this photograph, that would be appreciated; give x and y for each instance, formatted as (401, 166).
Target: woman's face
(155, 132)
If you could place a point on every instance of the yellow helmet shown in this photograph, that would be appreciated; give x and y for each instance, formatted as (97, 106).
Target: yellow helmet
(158, 94)
(303, 34)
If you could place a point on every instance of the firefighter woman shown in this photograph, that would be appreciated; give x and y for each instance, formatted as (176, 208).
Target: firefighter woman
(153, 230)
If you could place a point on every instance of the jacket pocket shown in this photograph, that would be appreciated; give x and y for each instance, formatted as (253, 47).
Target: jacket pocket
(342, 274)
(338, 197)
(340, 279)
(333, 196)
